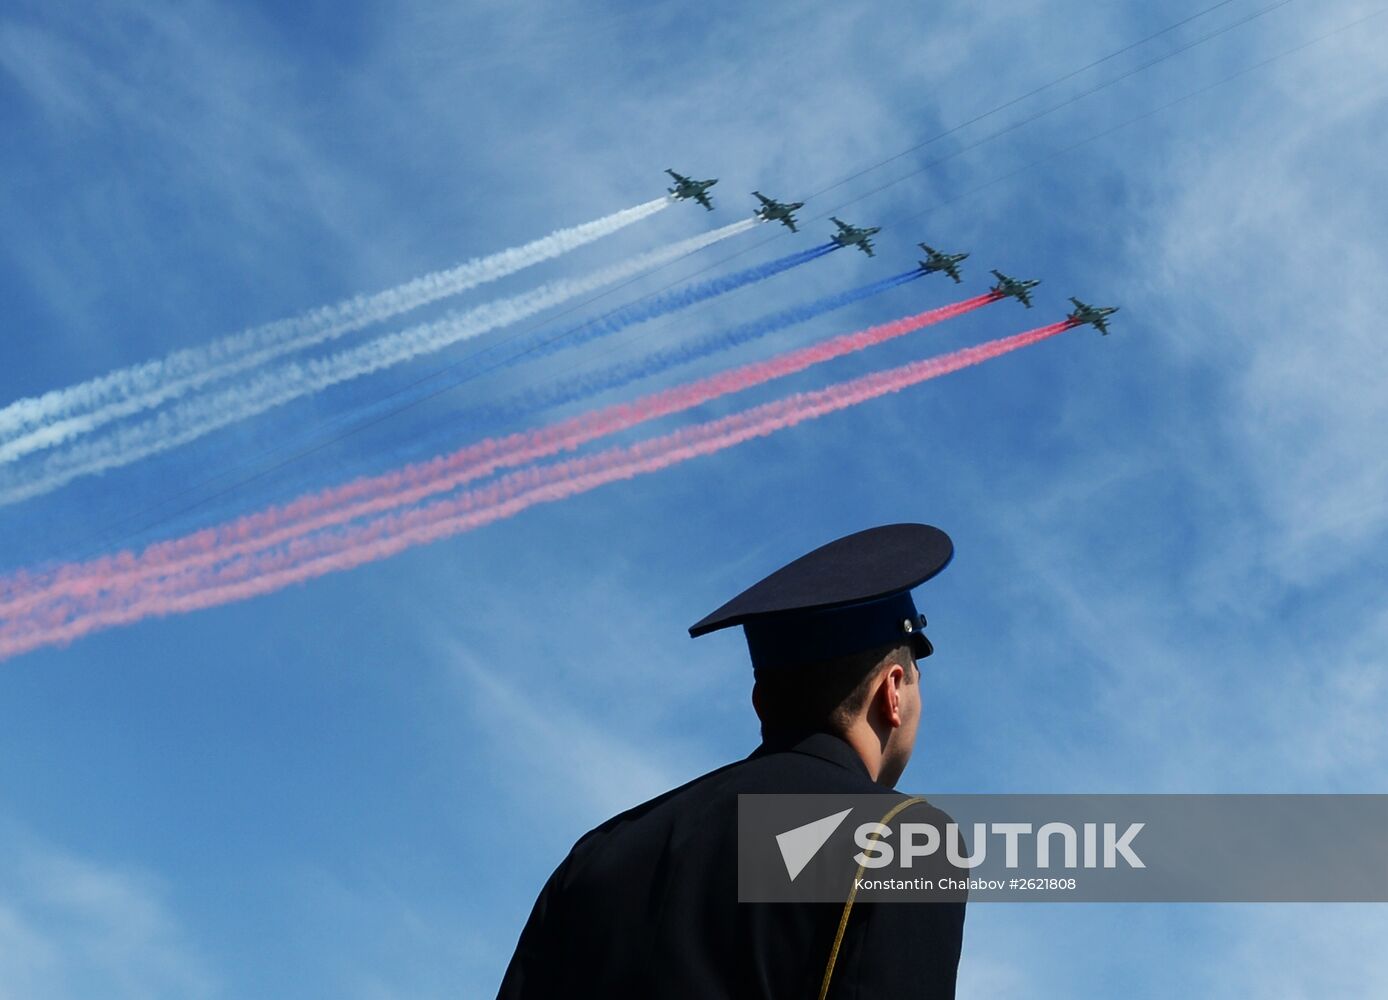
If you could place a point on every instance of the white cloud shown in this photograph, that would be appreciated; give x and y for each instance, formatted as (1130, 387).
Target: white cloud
(1192, 567)
(1300, 952)
(74, 928)
(572, 761)
(1271, 251)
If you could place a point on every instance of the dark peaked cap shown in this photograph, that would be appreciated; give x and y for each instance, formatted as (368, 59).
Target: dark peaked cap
(851, 595)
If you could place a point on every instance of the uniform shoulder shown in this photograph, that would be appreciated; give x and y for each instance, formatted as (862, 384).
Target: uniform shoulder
(664, 799)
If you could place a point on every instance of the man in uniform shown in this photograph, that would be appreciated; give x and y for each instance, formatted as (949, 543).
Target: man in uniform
(646, 904)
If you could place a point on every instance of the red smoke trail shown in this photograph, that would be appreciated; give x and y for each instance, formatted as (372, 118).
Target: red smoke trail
(390, 533)
(372, 495)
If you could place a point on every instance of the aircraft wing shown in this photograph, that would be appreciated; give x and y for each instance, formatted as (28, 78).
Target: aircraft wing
(790, 222)
(763, 198)
(867, 248)
(702, 199)
(1102, 324)
(953, 271)
(1025, 296)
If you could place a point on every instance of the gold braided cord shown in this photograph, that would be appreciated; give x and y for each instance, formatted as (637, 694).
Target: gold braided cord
(853, 893)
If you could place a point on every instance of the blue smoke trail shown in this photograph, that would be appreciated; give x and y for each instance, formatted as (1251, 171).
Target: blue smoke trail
(659, 305)
(592, 383)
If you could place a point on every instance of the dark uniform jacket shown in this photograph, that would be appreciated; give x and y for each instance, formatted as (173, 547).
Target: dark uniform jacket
(646, 905)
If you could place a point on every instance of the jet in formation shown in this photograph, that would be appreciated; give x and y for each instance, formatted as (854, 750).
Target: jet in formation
(773, 211)
(937, 261)
(1017, 288)
(687, 187)
(849, 236)
(1097, 316)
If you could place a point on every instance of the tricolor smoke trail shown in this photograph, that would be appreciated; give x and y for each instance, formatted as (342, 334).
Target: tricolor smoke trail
(193, 418)
(383, 536)
(168, 567)
(369, 496)
(28, 425)
(543, 342)
(372, 495)
(571, 390)
(623, 373)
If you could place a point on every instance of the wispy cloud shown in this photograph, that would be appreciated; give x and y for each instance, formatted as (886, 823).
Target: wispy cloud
(72, 928)
(571, 761)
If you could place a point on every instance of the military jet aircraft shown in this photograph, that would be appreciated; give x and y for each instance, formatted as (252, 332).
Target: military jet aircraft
(1017, 288)
(849, 236)
(687, 187)
(772, 210)
(1095, 315)
(937, 261)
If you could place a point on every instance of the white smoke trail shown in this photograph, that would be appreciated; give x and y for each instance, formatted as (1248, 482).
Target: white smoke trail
(28, 425)
(195, 417)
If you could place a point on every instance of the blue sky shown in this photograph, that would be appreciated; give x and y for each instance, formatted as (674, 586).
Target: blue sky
(1171, 541)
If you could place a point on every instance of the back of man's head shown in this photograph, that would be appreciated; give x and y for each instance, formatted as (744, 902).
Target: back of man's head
(824, 697)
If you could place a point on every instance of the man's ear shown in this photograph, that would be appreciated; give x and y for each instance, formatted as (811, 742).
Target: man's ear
(756, 701)
(887, 697)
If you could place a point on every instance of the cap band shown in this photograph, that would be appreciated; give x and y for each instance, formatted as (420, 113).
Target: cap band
(788, 640)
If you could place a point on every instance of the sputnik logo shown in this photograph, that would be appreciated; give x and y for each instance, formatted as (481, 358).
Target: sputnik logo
(800, 845)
